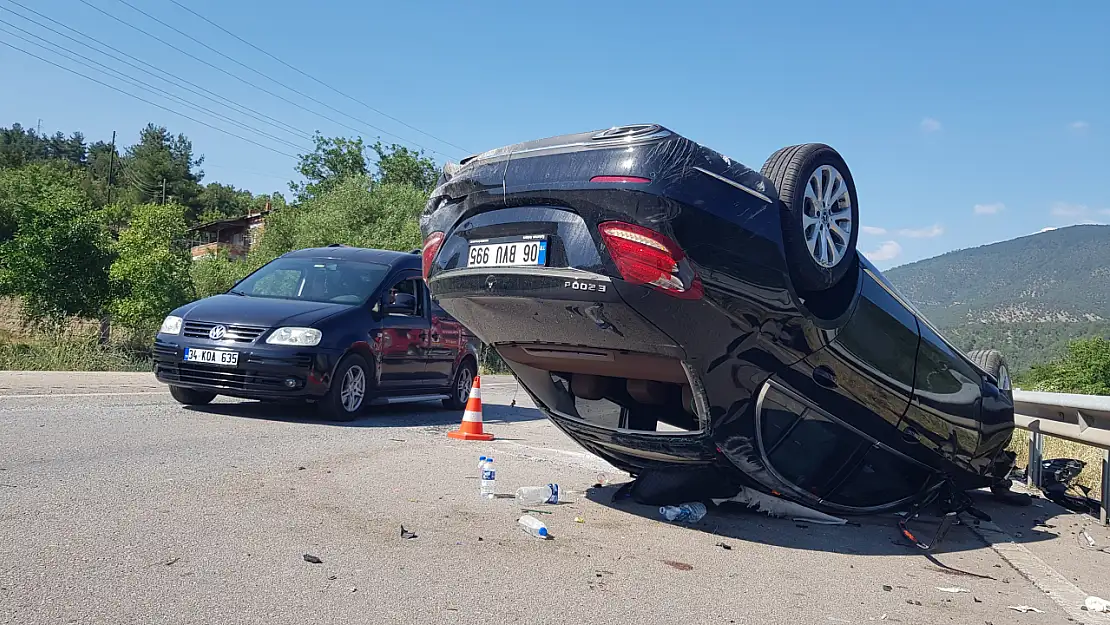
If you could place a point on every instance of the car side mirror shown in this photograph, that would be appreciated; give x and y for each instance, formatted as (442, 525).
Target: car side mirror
(402, 303)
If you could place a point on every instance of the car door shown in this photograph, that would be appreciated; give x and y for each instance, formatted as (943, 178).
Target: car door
(404, 336)
(444, 343)
(944, 413)
(862, 377)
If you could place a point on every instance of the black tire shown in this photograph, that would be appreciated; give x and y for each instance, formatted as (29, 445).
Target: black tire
(191, 397)
(993, 362)
(460, 386)
(333, 407)
(790, 170)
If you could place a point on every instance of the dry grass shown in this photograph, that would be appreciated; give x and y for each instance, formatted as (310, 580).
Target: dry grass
(1091, 476)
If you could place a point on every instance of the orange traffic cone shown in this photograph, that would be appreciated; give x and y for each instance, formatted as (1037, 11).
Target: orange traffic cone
(471, 427)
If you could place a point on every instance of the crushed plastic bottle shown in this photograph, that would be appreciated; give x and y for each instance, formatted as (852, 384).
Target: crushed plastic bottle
(685, 513)
(489, 475)
(533, 526)
(535, 495)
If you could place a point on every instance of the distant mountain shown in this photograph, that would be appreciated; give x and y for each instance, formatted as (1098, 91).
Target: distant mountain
(1026, 296)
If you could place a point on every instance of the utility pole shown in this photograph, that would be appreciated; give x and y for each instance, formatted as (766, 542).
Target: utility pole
(105, 333)
(163, 192)
(111, 164)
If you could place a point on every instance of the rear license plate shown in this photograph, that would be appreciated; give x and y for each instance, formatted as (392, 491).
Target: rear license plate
(212, 356)
(526, 251)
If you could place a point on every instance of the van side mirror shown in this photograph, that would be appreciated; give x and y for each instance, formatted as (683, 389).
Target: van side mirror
(403, 303)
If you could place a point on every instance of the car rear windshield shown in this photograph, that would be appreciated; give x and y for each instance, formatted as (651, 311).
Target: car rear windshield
(314, 280)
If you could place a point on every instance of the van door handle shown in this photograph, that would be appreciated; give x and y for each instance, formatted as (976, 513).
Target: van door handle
(824, 376)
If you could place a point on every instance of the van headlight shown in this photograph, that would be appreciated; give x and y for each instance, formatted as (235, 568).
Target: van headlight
(170, 325)
(303, 337)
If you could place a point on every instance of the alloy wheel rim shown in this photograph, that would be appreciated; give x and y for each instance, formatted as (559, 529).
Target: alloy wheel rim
(353, 389)
(827, 216)
(463, 389)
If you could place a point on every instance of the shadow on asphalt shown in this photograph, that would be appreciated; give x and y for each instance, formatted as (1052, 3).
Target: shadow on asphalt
(873, 535)
(396, 415)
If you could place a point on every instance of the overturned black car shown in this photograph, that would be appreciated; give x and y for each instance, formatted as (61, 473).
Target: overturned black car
(668, 307)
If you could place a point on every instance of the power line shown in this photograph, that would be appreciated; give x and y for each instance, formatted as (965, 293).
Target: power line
(240, 78)
(165, 108)
(317, 80)
(174, 79)
(121, 76)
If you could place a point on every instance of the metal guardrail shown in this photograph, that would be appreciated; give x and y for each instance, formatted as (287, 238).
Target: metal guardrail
(1082, 419)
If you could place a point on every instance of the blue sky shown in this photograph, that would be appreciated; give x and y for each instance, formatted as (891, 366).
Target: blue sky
(963, 123)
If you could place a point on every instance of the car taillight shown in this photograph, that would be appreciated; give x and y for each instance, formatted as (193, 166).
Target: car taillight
(644, 256)
(428, 253)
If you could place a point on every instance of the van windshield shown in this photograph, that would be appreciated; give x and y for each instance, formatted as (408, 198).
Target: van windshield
(329, 280)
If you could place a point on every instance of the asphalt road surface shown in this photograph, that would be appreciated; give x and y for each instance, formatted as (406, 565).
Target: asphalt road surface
(119, 506)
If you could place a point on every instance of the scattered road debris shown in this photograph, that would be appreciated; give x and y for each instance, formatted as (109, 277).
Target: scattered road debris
(300, 468)
(725, 546)
(1090, 541)
(311, 559)
(1025, 608)
(579, 519)
(1095, 604)
(682, 566)
(685, 513)
(332, 578)
(913, 602)
(534, 511)
(171, 561)
(777, 507)
(407, 535)
(888, 588)
(952, 589)
(533, 526)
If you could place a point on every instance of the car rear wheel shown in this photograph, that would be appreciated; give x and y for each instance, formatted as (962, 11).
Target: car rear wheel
(346, 397)
(191, 397)
(820, 213)
(993, 362)
(460, 389)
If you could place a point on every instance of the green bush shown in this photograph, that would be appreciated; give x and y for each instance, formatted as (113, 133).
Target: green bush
(150, 276)
(1084, 369)
(57, 352)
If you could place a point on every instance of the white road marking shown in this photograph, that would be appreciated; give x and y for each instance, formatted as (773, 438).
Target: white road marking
(1063, 593)
(43, 395)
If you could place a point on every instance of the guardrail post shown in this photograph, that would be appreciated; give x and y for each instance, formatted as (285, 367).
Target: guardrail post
(1033, 471)
(1105, 486)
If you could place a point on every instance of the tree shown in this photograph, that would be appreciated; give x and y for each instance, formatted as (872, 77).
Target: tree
(221, 201)
(150, 276)
(400, 165)
(1085, 369)
(333, 160)
(356, 211)
(54, 256)
(160, 158)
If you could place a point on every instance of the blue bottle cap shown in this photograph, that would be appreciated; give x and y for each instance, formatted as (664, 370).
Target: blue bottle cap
(542, 532)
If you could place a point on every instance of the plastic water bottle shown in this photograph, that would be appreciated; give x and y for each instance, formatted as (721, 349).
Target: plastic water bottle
(685, 513)
(489, 474)
(535, 495)
(533, 526)
(481, 465)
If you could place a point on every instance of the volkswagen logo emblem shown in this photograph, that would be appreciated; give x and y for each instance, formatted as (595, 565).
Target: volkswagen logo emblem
(217, 333)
